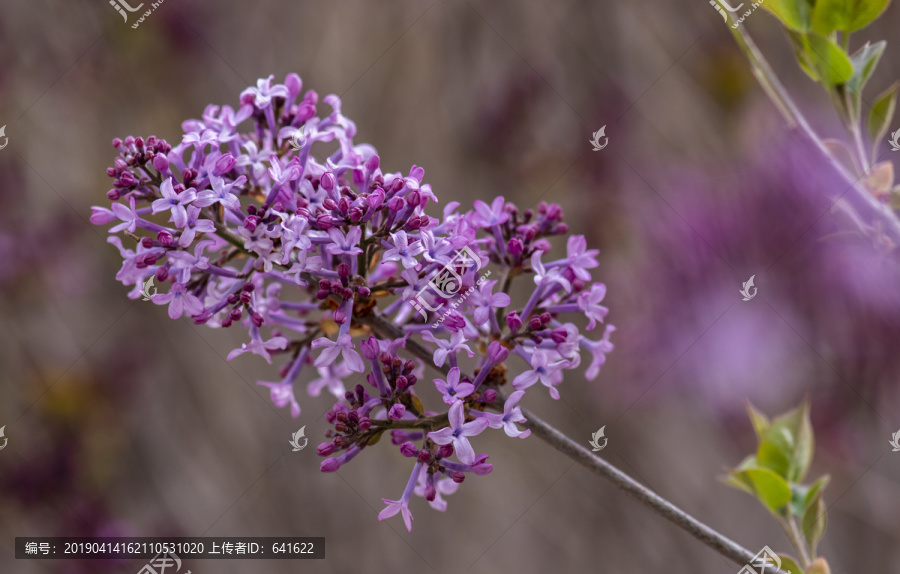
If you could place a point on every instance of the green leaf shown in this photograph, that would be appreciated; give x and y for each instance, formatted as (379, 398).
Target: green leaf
(814, 520)
(864, 61)
(864, 12)
(795, 14)
(829, 60)
(759, 420)
(738, 481)
(789, 564)
(772, 490)
(846, 15)
(815, 488)
(798, 499)
(882, 113)
(373, 440)
(787, 448)
(801, 51)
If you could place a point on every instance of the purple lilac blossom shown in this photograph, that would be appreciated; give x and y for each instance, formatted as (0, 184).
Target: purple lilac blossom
(244, 227)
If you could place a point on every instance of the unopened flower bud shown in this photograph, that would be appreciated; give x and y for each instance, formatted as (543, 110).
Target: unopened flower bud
(325, 449)
(408, 449)
(397, 411)
(445, 451)
(424, 456)
(534, 323)
(330, 465)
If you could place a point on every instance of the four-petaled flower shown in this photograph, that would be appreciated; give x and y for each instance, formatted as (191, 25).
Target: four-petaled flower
(541, 370)
(343, 347)
(402, 251)
(452, 390)
(456, 344)
(485, 300)
(458, 431)
(511, 415)
(588, 302)
(174, 202)
(544, 277)
(490, 215)
(179, 300)
(344, 244)
(580, 258)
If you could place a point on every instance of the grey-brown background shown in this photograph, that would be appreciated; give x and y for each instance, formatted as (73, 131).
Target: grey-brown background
(121, 421)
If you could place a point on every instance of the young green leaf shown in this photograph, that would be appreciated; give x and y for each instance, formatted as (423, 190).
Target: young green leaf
(864, 12)
(830, 61)
(787, 447)
(845, 15)
(882, 113)
(789, 564)
(864, 61)
(772, 490)
(814, 520)
(759, 421)
(795, 14)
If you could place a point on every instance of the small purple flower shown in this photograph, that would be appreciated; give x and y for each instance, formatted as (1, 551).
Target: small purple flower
(282, 395)
(580, 258)
(264, 91)
(402, 251)
(588, 302)
(456, 344)
(330, 377)
(458, 431)
(443, 486)
(511, 415)
(543, 277)
(344, 244)
(541, 370)
(193, 225)
(220, 193)
(179, 301)
(128, 215)
(259, 347)
(402, 505)
(343, 347)
(485, 301)
(451, 389)
(489, 216)
(598, 350)
(174, 202)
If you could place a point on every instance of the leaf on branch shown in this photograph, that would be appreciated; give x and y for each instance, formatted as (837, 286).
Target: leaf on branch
(882, 113)
(795, 14)
(772, 490)
(864, 62)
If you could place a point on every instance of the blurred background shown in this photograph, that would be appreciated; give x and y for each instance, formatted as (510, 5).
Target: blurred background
(123, 422)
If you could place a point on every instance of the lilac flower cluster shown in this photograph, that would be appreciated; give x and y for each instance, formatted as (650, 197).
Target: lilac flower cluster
(320, 260)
